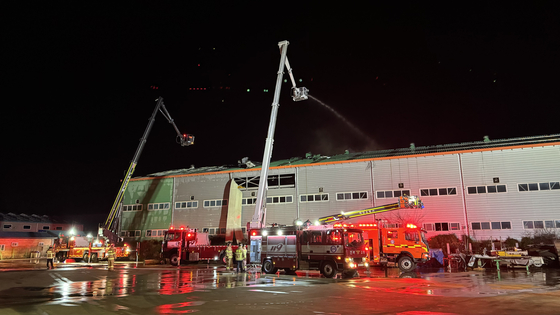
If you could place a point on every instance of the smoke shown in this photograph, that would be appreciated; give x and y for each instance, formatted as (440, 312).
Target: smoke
(335, 140)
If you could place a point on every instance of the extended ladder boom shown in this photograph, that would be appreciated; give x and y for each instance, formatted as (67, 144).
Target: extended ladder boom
(108, 229)
(409, 202)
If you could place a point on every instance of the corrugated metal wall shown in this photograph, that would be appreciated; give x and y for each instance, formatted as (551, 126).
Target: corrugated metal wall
(147, 192)
(453, 171)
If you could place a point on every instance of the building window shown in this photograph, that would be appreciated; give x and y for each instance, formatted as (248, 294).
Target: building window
(27, 227)
(491, 225)
(274, 181)
(186, 204)
(158, 206)
(14, 244)
(2, 247)
(248, 201)
(442, 226)
(134, 207)
(424, 192)
(454, 226)
(41, 244)
(131, 233)
(314, 198)
(489, 189)
(46, 227)
(279, 199)
(351, 195)
(155, 233)
(215, 203)
(58, 228)
(428, 226)
(7, 226)
(380, 194)
(538, 186)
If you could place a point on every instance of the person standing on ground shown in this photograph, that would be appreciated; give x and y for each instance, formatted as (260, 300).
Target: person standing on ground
(239, 257)
(50, 258)
(229, 257)
(111, 256)
(244, 247)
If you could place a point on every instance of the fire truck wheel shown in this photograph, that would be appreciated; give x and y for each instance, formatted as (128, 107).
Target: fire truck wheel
(60, 257)
(85, 258)
(328, 270)
(406, 264)
(268, 267)
(174, 260)
(94, 258)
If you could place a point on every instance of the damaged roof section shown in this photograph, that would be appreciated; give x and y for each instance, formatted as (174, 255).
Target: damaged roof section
(412, 150)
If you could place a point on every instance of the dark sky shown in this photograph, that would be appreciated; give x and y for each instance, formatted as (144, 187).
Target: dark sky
(77, 93)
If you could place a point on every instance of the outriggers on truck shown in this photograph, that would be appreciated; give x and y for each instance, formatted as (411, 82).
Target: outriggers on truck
(406, 246)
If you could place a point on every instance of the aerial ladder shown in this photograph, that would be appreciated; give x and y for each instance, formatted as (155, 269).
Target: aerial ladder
(404, 202)
(405, 246)
(298, 94)
(110, 228)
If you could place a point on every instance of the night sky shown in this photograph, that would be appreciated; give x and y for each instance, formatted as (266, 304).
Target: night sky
(78, 77)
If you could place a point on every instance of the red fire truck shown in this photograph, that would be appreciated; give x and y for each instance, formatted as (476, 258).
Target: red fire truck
(325, 248)
(184, 244)
(405, 246)
(79, 248)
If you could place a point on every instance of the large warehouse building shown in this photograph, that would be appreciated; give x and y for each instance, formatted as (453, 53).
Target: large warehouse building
(487, 189)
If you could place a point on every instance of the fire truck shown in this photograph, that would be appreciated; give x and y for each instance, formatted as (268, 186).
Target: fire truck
(405, 246)
(80, 248)
(326, 248)
(189, 245)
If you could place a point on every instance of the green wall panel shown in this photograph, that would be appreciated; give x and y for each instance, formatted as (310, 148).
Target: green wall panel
(147, 192)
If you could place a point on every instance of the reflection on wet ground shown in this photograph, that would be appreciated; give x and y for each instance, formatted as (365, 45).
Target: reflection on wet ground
(67, 289)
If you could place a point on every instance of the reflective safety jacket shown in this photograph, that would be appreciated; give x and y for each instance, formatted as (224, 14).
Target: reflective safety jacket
(239, 254)
(229, 252)
(111, 253)
(50, 254)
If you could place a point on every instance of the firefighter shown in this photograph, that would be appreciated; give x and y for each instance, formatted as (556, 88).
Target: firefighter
(50, 257)
(244, 248)
(111, 256)
(229, 256)
(239, 256)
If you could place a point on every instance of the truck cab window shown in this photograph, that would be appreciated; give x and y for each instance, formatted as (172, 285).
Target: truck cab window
(392, 234)
(316, 237)
(334, 237)
(411, 236)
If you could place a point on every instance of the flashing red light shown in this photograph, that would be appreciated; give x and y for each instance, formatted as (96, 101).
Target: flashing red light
(171, 227)
(182, 228)
(344, 225)
(254, 233)
(189, 235)
(412, 226)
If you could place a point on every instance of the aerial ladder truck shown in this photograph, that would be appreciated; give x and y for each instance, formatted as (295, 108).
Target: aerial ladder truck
(405, 246)
(109, 229)
(328, 249)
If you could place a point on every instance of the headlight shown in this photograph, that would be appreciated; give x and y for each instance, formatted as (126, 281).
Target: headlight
(348, 259)
(364, 258)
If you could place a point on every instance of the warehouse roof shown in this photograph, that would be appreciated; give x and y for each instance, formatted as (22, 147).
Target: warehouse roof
(45, 234)
(22, 217)
(411, 151)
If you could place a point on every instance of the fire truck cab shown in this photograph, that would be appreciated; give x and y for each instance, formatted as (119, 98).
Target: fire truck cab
(405, 246)
(325, 248)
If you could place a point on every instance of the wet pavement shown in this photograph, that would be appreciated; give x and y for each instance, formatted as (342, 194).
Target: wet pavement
(208, 289)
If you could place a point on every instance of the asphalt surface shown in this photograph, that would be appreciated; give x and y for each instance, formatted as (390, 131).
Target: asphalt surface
(210, 289)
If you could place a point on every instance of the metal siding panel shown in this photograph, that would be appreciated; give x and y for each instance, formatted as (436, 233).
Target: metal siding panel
(537, 164)
(333, 178)
(147, 191)
(202, 188)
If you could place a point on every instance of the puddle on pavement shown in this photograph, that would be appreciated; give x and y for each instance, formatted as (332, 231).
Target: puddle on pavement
(124, 282)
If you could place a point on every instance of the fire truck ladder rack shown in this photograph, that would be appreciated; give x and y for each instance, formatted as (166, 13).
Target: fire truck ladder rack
(405, 202)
